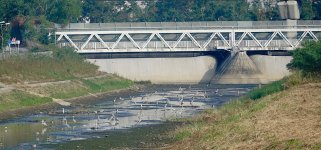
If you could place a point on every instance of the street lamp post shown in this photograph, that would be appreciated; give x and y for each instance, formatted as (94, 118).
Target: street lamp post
(1, 24)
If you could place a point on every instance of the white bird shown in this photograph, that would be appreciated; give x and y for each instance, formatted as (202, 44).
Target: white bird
(192, 101)
(65, 121)
(73, 119)
(113, 121)
(43, 122)
(139, 119)
(98, 118)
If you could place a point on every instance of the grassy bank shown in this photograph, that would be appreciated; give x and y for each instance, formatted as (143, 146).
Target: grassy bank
(81, 87)
(37, 79)
(62, 64)
(281, 115)
(19, 99)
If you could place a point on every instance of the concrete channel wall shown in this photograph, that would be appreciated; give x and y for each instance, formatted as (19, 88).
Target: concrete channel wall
(186, 70)
(192, 70)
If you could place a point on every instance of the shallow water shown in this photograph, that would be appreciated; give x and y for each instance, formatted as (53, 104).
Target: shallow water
(151, 106)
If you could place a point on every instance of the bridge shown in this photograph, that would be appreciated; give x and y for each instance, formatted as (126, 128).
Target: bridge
(187, 36)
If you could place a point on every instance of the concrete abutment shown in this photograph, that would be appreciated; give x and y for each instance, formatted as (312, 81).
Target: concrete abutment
(193, 70)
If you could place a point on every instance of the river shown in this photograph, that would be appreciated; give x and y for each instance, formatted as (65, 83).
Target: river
(153, 105)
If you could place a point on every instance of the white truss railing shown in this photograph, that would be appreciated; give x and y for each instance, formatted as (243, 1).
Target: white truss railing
(283, 38)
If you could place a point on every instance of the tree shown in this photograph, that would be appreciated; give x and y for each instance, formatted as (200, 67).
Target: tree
(307, 59)
(317, 9)
(9, 9)
(149, 12)
(64, 11)
(307, 11)
(99, 11)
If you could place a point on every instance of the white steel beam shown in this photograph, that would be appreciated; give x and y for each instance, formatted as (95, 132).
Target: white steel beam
(301, 38)
(87, 41)
(313, 36)
(179, 40)
(208, 41)
(254, 38)
(148, 40)
(286, 39)
(71, 42)
(60, 37)
(118, 40)
(241, 39)
(164, 42)
(193, 39)
(270, 39)
(132, 40)
(102, 41)
(223, 39)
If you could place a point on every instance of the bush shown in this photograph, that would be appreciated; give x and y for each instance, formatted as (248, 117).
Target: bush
(268, 89)
(307, 59)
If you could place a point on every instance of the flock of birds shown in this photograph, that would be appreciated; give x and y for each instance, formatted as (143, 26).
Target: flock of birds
(175, 101)
(152, 106)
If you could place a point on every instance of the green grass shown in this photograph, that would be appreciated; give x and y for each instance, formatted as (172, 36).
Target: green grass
(18, 99)
(268, 89)
(106, 84)
(82, 87)
(62, 65)
(234, 121)
(183, 134)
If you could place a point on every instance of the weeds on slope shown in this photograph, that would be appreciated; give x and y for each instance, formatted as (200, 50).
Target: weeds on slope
(63, 64)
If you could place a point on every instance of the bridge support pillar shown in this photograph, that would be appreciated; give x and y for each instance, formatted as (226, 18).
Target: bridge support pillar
(292, 24)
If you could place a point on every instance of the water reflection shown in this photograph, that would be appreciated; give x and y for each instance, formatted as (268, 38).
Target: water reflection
(78, 122)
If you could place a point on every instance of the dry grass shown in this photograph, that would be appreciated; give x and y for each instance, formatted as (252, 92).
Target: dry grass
(286, 120)
(79, 87)
(64, 64)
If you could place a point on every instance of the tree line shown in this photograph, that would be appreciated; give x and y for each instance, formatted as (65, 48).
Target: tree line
(65, 11)
(30, 17)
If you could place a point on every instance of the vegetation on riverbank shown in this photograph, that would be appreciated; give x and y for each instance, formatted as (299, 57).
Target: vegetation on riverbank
(25, 95)
(81, 87)
(279, 120)
(32, 80)
(18, 99)
(282, 115)
(62, 64)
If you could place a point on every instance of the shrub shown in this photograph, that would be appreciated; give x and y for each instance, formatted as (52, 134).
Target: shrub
(307, 59)
(268, 89)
